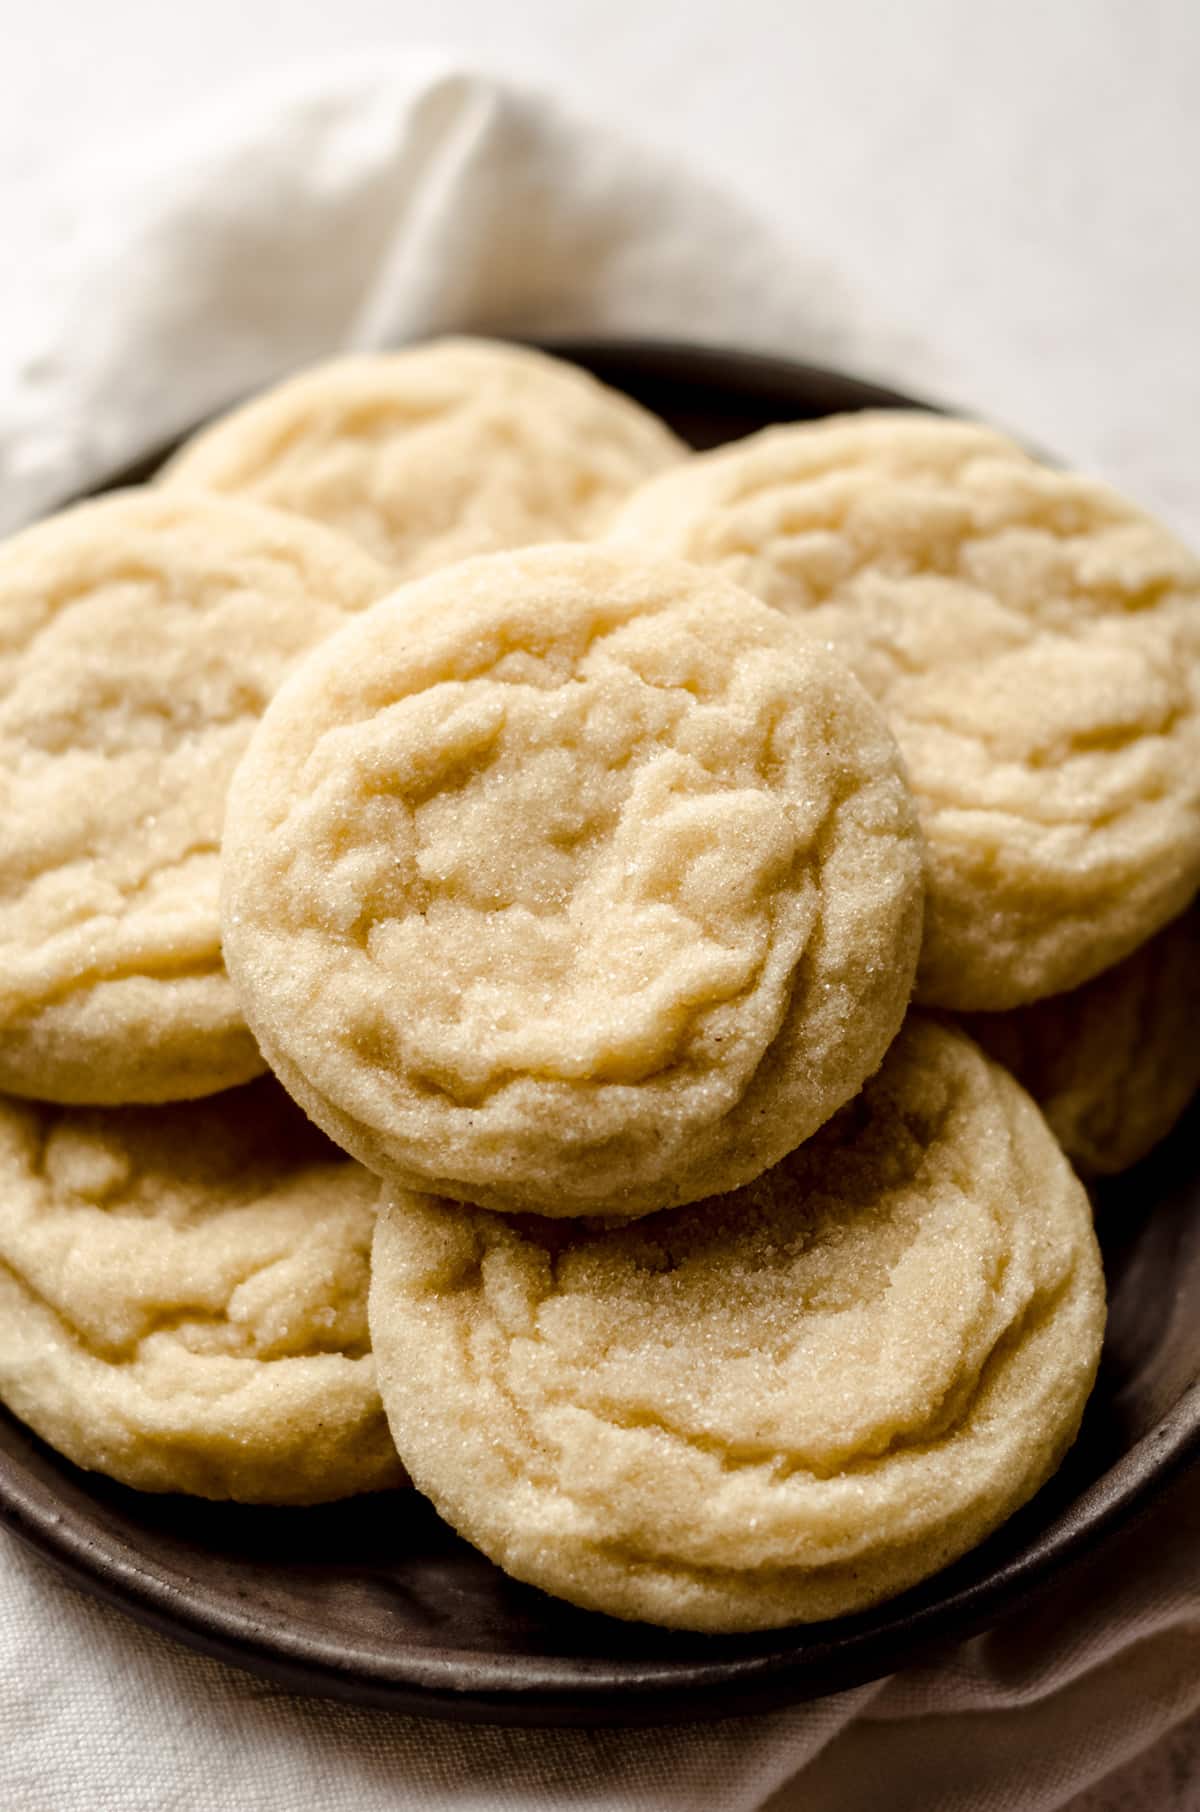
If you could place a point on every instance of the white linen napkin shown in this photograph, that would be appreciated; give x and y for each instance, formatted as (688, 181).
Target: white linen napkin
(352, 211)
(355, 209)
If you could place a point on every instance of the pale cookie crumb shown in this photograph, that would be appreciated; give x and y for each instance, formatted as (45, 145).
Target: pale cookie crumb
(444, 449)
(183, 1298)
(778, 1406)
(570, 880)
(1034, 641)
(140, 638)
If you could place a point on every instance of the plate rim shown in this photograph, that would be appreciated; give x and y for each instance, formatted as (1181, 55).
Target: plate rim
(525, 1690)
(531, 1690)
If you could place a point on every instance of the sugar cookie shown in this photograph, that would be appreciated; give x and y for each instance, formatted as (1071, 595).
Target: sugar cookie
(782, 1405)
(1035, 643)
(183, 1297)
(567, 880)
(1114, 1063)
(442, 450)
(140, 638)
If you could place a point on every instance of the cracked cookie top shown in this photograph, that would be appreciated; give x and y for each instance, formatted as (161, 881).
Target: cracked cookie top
(571, 881)
(140, 638)
(439, 451)
(1034, 641)
(183, 1297)
(783, 1404)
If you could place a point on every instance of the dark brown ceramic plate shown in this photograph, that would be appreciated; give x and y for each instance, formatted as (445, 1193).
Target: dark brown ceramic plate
(377, 1602)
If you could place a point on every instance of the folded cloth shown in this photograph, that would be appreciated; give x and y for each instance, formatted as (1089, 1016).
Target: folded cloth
(354, 211)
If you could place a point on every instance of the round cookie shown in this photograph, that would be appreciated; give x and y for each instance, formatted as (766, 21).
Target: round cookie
(183, 1297)
(1115, 1063)
(571, 881)
(140, 638)
(440, 451)
(1035, 643)
(772, 1407)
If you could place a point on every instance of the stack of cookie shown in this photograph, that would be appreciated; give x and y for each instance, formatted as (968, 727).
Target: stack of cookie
(183, 1281)
(578, 893)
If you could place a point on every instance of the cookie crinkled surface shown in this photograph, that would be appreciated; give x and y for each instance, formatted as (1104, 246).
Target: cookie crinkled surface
(436, 452)
(183, 1297)
(1034, 641)
(569, 881)
(140, 638)
(781, 1405)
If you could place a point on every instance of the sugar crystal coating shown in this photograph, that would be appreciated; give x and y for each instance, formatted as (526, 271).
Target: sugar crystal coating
(438, 451)
(140, 638)
(183, 1297)
(784, 1404)
(1034, 641)
(566, 880)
